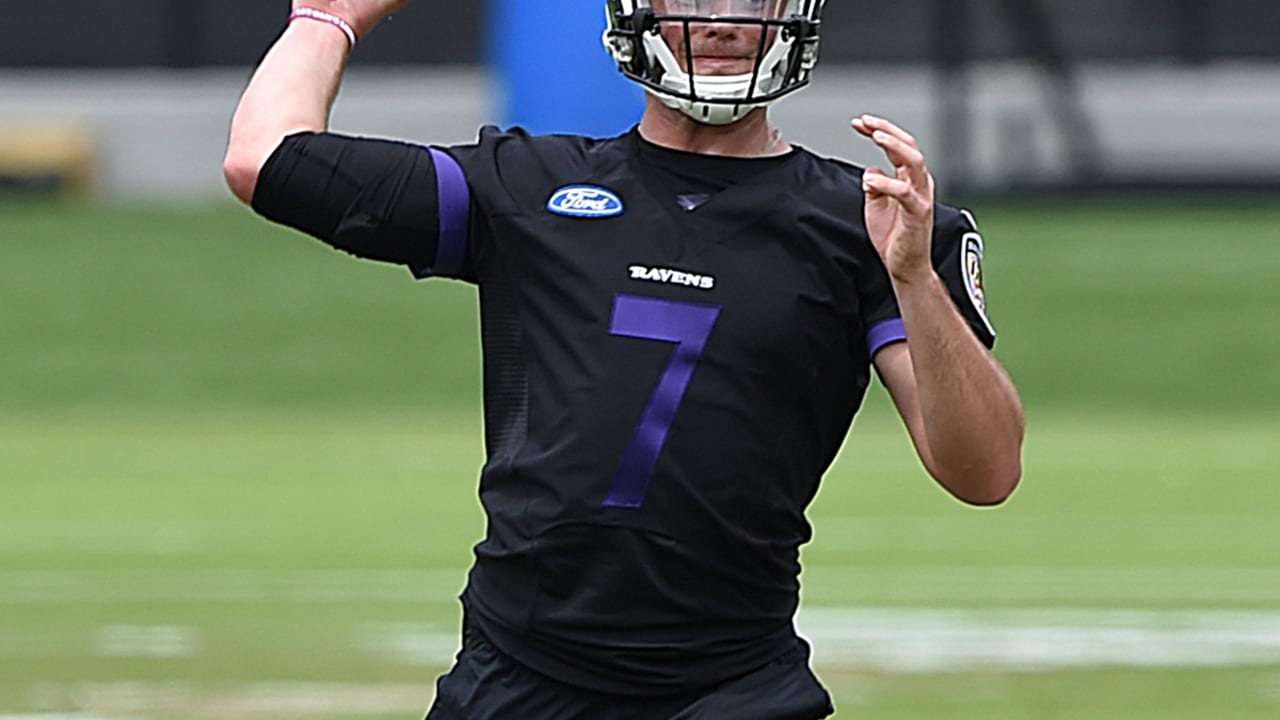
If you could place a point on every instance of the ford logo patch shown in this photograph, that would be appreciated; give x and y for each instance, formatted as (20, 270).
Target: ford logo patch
(585, 201)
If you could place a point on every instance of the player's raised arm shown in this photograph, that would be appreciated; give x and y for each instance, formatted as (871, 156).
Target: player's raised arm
(385, 200)
(963, 411)
(294, 87)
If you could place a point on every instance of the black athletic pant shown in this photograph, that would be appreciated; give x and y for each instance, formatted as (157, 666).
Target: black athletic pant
(486, 684)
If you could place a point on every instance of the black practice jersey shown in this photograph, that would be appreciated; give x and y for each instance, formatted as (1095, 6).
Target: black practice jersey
(674, 349)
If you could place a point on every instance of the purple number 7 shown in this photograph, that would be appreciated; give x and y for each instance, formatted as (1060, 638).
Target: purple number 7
(688, 325)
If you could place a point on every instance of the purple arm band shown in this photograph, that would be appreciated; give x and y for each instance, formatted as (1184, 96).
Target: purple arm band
(455, 216)
(885, 332)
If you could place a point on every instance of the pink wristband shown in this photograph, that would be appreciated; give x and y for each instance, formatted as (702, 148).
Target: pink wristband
(324, 17)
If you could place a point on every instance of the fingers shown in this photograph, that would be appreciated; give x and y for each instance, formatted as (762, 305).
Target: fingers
(876, 184)
(898, 145)
(907, 159)
(868, 124)
(913, 178)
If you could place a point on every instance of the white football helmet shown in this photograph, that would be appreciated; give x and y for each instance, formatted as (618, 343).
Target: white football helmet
(783, 65)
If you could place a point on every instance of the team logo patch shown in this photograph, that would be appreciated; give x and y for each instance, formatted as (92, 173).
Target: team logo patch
(971, 271)
(585, 201)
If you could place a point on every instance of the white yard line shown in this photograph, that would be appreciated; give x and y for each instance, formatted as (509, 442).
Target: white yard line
(879, 640)
(910, 640)
(161, 642)
(408, 644)
(921, 641)
(897, 640)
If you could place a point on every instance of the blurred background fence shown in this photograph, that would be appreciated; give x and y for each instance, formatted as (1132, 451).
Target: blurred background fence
(1008, 96)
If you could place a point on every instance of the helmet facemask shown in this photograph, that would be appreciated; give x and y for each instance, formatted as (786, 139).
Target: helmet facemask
(785, 55)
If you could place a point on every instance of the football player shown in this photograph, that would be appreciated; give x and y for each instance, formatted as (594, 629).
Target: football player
(679, 325)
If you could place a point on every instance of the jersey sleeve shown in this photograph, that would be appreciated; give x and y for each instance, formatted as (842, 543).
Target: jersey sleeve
(492, 167)
(376, 199)
(957, 258)
(879, 307)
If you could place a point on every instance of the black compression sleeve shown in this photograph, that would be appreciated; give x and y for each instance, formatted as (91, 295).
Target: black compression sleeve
(375, 199)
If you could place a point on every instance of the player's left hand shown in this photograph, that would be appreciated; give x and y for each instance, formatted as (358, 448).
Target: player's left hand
(899, 209)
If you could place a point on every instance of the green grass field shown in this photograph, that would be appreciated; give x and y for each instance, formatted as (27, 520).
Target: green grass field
(237, 480)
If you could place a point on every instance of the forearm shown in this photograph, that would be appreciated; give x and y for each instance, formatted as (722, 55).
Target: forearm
(291, 91)
(972, 416)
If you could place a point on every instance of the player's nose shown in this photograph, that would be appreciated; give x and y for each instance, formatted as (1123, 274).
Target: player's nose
(716, 30)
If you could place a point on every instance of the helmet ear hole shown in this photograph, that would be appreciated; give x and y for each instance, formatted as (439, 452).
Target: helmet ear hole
(622, 49)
